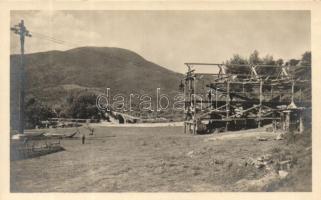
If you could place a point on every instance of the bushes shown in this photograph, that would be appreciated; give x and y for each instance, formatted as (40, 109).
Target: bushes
(255, 59)
(83, 106)
(35, 112)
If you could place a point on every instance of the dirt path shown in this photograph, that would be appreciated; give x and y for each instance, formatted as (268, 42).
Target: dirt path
(163, 124)
(243, 134)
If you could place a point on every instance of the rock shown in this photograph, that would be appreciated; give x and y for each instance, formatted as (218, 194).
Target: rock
(267, 157)
(262, 139)
(285, 165)
(261, 162)
(279, 136)
(308, 148)
(217, 161)
(159, 170)
(251, 161)
(260, 159)
(259, 165)
(283, 173)
(267, 162)
(190, 154)
(269, 167)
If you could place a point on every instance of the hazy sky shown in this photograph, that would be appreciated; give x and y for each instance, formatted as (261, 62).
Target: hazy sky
(170, 38)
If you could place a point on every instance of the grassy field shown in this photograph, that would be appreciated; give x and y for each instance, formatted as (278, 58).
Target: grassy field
(161, 159)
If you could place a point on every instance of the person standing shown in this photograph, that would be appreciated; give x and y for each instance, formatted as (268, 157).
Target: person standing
(83, 138)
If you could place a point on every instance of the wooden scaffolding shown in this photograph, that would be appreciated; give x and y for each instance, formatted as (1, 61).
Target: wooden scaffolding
(260, 94)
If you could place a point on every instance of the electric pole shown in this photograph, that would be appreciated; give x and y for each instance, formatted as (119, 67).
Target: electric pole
(22, 31)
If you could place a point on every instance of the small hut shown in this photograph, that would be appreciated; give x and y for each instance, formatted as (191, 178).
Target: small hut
(292, 118)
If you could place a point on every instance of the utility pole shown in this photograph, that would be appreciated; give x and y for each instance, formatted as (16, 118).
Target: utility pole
(22, 31)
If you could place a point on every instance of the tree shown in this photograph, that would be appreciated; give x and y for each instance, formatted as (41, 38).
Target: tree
(268, 60)
(306, 58)
(254, 58)
(304, 73)
(279, 62)
(237, 60)
(57, 109)
(36, 111)
(293, 62)
(84, 106)
(268, 71)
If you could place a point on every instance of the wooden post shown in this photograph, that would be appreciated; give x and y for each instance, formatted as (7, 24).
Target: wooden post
(194, 104)
(243, 88)
(227, 104)
(215, 98)
(301, 123)
(194, 127)
(292, 92)
(261, 100)
(274, 123)
(287, 121)
(22, 31)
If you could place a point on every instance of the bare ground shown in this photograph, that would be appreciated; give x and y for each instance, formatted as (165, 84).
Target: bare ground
(161, 159)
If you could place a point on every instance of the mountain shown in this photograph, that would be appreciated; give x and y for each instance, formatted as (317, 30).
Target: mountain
(51, 74)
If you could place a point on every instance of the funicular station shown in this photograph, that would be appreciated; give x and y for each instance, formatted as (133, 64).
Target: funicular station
(246, 96)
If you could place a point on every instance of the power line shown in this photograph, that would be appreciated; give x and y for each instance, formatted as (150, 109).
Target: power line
(54, 40)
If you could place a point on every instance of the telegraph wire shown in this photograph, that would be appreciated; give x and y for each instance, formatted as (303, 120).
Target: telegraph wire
(54, 40)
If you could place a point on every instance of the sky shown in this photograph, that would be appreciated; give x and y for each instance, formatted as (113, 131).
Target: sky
(170, 38)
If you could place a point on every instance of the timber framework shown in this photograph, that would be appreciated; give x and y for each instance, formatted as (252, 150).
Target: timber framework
(238, 96)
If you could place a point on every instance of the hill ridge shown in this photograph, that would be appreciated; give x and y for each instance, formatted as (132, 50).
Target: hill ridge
(120, 69)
